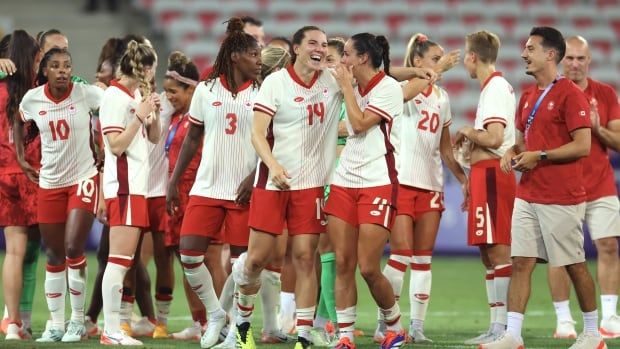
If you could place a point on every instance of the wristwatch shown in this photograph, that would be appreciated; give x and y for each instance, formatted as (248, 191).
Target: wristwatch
(543, 155)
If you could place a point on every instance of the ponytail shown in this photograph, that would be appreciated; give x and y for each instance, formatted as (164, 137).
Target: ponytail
(385, 46)
(377, 48)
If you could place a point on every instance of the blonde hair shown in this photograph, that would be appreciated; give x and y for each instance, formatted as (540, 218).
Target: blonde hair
(135, 60)
(484, 44)
(273, 58)
(418, 46)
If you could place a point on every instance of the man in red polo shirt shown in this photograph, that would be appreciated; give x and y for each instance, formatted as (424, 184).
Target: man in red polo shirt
(554, 124)
(602, 204)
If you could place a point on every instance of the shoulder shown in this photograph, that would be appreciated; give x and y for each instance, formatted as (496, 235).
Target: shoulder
(33, 94)
(603, 89)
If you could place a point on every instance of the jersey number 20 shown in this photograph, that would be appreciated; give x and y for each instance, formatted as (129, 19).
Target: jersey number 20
(429, 122)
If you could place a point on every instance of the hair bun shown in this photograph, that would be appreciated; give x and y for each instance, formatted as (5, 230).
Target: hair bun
(421, 38)
(235, 24)
(178, 58)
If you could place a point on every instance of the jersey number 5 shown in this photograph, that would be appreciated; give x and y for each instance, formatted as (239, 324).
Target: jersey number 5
(60, 130)
(316, 109)
(429, 122)
(232, 123)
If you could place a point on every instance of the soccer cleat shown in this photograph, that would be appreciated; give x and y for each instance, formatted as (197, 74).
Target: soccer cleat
(273, 337)
(417, 336)
(393, 339)
(92, 329)
(4, 324)
(344, 343)
(76, 331)
(190, 333)
(358, 333)
(287, 324)
(379, 335)
(302, 343)
(505, 341)
(119, 338)
(330, 329)
(51, 335)
(319, 337)
(589, 341)
(143, 328)
(212, 333)
(14, 332)
(245, 339)
(610, 328)
(565, 330)
(126, 328)
(483, 338)
(160, 331)
(230, 342)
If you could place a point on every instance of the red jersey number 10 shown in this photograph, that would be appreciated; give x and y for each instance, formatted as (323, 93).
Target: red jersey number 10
(316, 110)
(60, 130)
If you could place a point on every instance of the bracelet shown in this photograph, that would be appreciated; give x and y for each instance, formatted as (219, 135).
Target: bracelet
(139, 119)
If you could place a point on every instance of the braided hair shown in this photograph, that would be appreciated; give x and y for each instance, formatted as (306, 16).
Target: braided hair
(377, 48)
(133, 64)
(236, 41)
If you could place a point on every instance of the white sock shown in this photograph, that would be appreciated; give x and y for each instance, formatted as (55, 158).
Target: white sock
(420, 287)
(501, 282)
(77, 276)
(287, 305)
(590, 322)
(395, 269)
(245, 307)
(270, 299)
(228, 294)
(609, 302)
(126, 312)
(319, 322)
(111, 291)
(346, 322)
(304, 321)
(162, 307)
(562, 311)
(490, 287)
(6, 313)
(55, 287)
(200, 280)
(515, 323)
(391, 317)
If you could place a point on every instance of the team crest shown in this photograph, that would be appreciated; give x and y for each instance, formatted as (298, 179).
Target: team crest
(550, 105)
(72, 109)
(325, 92)
(248, 105)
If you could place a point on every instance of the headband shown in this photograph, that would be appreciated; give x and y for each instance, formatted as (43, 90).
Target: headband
(176, 76)
(421, 38)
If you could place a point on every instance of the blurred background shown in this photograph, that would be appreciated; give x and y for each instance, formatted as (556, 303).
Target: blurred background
(195, 27)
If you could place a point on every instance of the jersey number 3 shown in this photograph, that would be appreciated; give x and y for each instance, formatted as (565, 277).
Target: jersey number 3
(232, 123)
(429, 122)
(60, 130)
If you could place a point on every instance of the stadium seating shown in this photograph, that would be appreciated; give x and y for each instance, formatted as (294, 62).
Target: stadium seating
(195, 26)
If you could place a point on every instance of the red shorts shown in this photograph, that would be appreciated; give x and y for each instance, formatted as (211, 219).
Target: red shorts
(357, 206)
(18, 200)
(300, 210)
(128, 210)
(206, 217)
(415, 201)
(491, 199)
(157, 214)
(173, 223)
(55, 204)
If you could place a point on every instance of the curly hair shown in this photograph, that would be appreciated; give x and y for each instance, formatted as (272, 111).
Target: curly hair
(134, 62)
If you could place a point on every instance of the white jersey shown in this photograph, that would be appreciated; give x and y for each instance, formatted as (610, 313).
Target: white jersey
(158, 161)
(416, 137)
(67, 144)
(128, 173)
(227, 153)
(304, 127)
(368, 157)
(497, 104)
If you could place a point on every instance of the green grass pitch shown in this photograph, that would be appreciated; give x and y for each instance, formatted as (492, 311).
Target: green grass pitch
(457, 311)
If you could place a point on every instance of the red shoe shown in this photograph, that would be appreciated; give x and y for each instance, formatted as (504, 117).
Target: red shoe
(393, 339)
(329, 328)
(4, 325)
(344, 343)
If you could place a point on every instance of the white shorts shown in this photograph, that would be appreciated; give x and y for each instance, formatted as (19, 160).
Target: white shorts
(550, 233)
(603, 217)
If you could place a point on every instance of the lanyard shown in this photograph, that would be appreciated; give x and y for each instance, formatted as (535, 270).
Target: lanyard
(172, 132)
(530, 118)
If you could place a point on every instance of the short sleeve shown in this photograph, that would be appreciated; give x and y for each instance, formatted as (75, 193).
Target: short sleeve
(613, 110)
(268, 98)
(386, 101)
(576, 109)
(94, 94)
(196, 107)
(26, 105)
(113, 111)
(498, 102)
(519, 125)
(445, 110)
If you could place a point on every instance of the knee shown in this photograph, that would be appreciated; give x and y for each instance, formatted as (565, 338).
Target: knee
(304, 260)
(254, 265)
(523, 265)
(370, 273)
(607, 247)
(344, 264)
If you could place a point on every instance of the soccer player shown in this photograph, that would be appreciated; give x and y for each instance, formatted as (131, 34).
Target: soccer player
(363, 192)
(421, 139)
(294, 134)
(68, 186)
(221, 110)
(128, 122)
(492, 191)
(18, 194)
(602, 196)
(554, 133)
